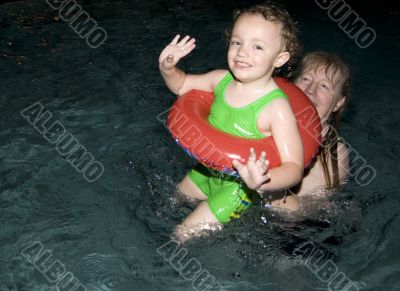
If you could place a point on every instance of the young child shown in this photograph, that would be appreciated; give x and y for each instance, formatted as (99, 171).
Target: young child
(248, 104)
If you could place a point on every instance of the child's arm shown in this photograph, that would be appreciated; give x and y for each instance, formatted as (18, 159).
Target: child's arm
(255, 172)
(177, 80)
(287, 139)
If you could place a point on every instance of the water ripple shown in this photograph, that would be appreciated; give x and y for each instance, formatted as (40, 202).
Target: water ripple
(107, 271)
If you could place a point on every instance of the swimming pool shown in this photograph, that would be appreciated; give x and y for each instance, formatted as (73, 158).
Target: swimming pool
(103, 223)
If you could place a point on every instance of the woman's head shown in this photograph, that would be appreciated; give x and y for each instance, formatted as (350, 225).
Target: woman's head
(277, 15)
(326, 80)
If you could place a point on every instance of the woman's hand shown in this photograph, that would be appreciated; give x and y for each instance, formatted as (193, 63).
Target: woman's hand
(255, 172)
(176, 50)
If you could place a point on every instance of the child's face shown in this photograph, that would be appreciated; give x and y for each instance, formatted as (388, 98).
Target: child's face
(324, 92)
(255, 48)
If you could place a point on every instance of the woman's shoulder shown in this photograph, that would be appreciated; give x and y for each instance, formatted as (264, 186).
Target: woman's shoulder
(343, 159)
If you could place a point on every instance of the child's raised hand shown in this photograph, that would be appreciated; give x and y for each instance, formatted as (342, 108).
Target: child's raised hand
(255, 172)
(176, 50)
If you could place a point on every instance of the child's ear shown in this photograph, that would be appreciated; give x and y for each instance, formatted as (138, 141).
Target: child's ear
(339, 103)
(281, 59)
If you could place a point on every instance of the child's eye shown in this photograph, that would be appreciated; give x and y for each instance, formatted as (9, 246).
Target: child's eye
(258, 47)
(235, 42)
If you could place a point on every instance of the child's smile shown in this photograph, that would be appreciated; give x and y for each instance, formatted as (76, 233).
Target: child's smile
(241, 65)
(254, 47)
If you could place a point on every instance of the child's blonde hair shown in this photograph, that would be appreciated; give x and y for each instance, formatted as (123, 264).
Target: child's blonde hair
(277, 14)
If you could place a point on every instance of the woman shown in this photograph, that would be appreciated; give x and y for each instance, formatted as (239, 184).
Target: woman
(325, 79)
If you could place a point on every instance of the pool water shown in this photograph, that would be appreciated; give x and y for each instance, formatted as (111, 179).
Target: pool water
(109, 228)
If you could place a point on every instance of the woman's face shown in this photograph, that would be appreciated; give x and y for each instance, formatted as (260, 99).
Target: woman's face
(324, 92)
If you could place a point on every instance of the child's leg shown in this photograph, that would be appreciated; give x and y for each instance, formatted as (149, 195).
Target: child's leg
(201, 215)
(196, 185)
(200, 219)
(190, 190)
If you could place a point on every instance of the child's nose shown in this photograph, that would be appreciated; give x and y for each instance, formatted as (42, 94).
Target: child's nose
(243, 51)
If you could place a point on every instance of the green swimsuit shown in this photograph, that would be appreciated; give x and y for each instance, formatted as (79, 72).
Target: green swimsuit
(227, 196)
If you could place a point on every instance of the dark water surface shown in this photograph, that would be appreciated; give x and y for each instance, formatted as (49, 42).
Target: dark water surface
(113, 233)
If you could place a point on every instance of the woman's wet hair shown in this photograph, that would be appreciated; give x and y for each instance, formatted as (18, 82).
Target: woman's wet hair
(338, 72)
(335, 69)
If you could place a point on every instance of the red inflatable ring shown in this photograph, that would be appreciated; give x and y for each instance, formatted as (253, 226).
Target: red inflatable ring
(189, 126)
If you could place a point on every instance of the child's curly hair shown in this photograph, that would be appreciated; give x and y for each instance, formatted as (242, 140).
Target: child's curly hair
(275, 13)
